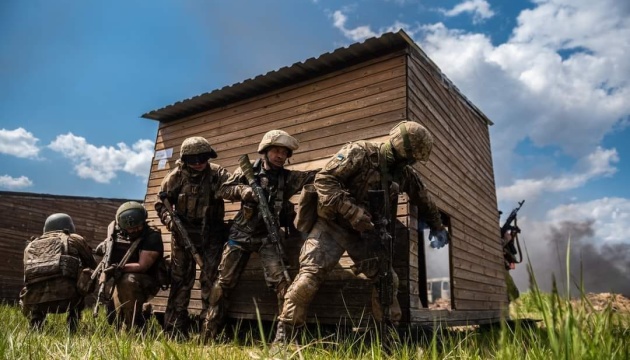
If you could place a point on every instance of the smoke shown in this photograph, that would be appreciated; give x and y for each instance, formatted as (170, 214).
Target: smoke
(593, 266)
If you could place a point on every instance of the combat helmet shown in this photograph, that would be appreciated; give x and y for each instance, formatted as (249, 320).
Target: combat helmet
(196, 147)
(411, 141)
(59, 222)
(130, 215)
(278, 138)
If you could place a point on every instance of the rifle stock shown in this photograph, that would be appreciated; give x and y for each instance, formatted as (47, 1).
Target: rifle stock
(181, 229)
(99, 272)
(263, 207)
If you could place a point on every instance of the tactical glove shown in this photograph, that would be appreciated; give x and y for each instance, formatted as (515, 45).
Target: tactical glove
(438, 238)
(248, 195)
(100, 249)
(357, 216)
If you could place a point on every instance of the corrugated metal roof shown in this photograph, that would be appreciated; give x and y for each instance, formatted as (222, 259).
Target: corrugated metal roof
(295, 73)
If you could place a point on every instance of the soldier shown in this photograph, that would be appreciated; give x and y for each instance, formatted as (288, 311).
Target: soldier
(136, 281)
(342, 187)
(53, 263)
(192, 188)
(249, 233)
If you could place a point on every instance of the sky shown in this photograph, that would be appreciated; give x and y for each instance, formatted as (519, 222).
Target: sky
(553, 76)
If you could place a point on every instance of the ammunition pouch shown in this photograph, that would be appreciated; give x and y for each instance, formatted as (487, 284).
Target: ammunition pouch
(307, 209)
(85, 283)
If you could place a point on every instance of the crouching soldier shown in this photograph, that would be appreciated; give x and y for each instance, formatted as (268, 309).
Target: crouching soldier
(136, 258)
(53, 263)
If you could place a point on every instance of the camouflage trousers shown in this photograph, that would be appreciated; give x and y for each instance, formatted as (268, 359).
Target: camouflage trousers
(320, 253)
(131, 292)
(236, 253)
(183, 269)
(52, 297)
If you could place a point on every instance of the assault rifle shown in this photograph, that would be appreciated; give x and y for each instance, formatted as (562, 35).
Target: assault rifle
(385, 285)
(263, 206)
(512, 248)
(100, 273)
(181, 230)
(105, 268)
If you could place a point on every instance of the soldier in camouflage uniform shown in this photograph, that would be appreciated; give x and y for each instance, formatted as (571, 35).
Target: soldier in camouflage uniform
(342, 187)
(136, 282)
(52, 264)
(192, 188)
(249, 233)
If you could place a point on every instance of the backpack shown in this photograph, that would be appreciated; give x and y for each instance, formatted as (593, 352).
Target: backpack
(46, 257)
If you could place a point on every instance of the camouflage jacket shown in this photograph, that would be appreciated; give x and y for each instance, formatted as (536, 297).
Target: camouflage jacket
(355, 169)
(194, 194)
(248, 219)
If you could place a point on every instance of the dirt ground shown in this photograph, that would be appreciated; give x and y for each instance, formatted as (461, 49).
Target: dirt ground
(600, 301)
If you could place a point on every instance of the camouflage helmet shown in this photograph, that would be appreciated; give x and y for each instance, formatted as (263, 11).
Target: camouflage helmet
(197, 145)
(411, 141)
(278, 138)
(59, 222)
(130, 215)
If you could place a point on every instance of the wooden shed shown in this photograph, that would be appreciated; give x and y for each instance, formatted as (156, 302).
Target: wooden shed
(22, 215)
(359, 92)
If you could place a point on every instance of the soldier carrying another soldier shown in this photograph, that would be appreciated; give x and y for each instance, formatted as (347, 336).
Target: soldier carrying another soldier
(249, 233)
(53, 263)
(342, 187)
(192, 191)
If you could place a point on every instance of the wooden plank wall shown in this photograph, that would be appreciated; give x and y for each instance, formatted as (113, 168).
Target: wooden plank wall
(461, 178)
(358, 102)
(22, 215)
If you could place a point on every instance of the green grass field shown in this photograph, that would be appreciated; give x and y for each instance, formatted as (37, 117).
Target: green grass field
(566, 330)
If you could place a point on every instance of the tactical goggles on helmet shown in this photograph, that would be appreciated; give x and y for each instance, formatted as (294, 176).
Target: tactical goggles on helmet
(195, 159)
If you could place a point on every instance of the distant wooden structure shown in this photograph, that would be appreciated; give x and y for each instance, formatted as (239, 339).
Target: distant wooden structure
(22, 215)
(353, 93)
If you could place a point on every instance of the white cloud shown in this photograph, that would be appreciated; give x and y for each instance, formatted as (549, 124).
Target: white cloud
(359, 33)
(479, 8)
(562, 79)
(8, 182)
(102, 163)
(595, 165)
(18, 142)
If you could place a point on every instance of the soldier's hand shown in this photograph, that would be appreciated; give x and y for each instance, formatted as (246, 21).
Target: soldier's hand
(248, 195)
(100, 249)
(438, 238)
(359, 219)
(113, 271)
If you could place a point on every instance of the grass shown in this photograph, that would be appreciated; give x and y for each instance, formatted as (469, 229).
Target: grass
(564, 332)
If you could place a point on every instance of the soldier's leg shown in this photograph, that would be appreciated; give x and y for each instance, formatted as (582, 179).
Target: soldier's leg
(273, 272)
(74, 313)
(318, 256)
(367, 262)
(233, 261)
(131, 292)
(212, 251)
(182, 281)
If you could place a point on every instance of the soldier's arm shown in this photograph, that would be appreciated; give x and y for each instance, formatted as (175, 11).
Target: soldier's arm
(330, 182)
(411, 183)
(297, 179)
(150, 252)
(168, 185)
(84, 250)
(234, 186)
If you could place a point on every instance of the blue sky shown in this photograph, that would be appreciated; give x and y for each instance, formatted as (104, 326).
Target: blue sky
(553, 76)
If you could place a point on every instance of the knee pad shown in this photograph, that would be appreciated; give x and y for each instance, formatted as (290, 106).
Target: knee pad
(216, 294)
(303, 289)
